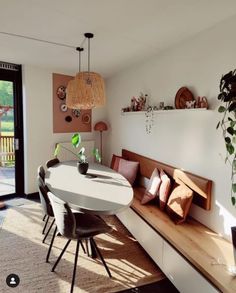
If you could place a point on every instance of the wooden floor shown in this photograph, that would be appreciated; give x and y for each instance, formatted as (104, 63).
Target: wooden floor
(7, 180)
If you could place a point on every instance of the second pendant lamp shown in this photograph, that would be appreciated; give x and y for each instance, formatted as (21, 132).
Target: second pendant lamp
(87, 89)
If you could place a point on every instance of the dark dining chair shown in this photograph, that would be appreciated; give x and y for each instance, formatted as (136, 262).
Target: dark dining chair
(52, 162)
(42, 174)
(46, 205)
(77, 226)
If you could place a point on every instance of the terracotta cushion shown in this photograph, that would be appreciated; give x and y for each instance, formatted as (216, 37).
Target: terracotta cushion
(128, 169)
(115, 162)
(152, 188)
(179, 202)
(164, 189)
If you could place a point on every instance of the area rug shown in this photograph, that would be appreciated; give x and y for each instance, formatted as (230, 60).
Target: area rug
(23, 253)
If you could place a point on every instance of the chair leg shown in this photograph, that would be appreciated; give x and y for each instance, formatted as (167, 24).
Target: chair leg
(46, 235)
(50, 247)
(60, 256)
(87, 248)
(75, 266)
(92, 241)
(45, 225)
(93, 250)
(82, 246)
(44, 217)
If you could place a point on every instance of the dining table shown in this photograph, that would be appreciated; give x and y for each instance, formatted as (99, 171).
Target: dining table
(101, 191)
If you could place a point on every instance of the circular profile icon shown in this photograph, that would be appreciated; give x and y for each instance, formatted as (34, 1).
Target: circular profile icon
(12, 280)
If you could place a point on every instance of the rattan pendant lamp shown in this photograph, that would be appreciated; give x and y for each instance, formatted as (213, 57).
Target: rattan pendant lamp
(87, 89)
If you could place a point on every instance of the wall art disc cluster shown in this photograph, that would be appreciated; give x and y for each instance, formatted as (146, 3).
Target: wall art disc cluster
(65, 119)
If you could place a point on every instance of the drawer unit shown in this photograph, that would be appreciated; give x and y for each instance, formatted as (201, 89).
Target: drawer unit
(148, 238)
(185, 278)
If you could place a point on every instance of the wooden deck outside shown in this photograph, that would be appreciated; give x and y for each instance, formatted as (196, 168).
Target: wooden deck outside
(7, 152)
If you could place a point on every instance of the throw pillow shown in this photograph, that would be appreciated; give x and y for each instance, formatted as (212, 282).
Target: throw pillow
(115, 162)
(179, 203)
(152, 188)
(164, 190)
(128, 169)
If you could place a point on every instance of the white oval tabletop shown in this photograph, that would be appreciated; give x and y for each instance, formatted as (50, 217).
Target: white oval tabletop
(100, 191)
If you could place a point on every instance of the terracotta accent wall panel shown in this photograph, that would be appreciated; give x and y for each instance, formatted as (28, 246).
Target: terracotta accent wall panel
(60, 125)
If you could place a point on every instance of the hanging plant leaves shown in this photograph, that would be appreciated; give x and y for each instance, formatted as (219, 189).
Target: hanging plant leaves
(233, 200)
(230, 130)
(227, 140)
(232, 107)
(234, 165)
(221, 109)
(230, 148)
(234, 187)
(227, 96)
(221, 96)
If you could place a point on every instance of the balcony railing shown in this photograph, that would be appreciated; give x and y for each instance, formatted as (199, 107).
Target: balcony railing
(7, 152)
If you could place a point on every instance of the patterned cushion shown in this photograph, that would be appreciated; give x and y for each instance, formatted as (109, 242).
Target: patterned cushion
(128, 169)
(164, 190)
(152, 188)
(179, 203)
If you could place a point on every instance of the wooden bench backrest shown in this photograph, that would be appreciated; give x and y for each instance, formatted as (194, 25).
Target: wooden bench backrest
(201, 186)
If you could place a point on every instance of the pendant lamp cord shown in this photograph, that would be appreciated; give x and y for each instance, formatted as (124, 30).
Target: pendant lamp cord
(80, 49)
(89, 59)
(89, 36)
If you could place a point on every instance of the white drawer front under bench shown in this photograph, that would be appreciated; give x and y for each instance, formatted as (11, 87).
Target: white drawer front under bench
(185, 278)
(150, 240)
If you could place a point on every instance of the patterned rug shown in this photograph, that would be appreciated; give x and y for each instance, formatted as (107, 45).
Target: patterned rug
(23, 253)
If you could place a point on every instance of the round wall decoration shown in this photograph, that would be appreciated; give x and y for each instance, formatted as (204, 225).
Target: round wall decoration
(86, 118)
(68, 119)
(182, 96)
(61, 92)
(63, 107)
(76, 113)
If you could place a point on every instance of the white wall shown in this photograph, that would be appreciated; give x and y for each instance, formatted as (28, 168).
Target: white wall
(39, 139)
(186, 140)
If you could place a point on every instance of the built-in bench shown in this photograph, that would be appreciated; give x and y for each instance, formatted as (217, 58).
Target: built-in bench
(188, 253)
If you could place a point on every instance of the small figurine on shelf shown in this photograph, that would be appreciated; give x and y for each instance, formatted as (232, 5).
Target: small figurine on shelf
(134, 104)
(201, 102)
(190, 104)
(142, 102)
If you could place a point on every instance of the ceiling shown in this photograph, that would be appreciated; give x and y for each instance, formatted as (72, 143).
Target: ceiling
(126, 31)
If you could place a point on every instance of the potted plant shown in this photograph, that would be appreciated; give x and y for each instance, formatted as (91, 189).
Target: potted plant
(82, 159)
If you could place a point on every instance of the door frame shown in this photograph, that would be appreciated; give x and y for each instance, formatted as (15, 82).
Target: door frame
(13, 73)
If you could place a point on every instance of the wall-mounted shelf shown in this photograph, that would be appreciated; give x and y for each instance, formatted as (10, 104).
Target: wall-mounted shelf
(165, 111)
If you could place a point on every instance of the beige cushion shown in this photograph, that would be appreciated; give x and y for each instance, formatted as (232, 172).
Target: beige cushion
(152, 188)
(128, 169)
(179, 203)
(164, 190)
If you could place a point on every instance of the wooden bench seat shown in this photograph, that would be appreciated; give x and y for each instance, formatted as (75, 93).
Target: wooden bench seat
(190, 252)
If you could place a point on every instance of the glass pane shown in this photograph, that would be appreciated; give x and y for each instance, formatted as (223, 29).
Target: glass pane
(7, 153)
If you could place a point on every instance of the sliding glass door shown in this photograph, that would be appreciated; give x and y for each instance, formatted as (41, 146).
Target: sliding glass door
(11, 131)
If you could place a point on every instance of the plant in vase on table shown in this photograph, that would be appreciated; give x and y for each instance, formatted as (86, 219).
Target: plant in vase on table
(82, 158)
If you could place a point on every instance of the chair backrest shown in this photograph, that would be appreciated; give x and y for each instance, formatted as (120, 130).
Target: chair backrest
(52, 162)
(45, 202)
(64, 217)
(41, 172)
